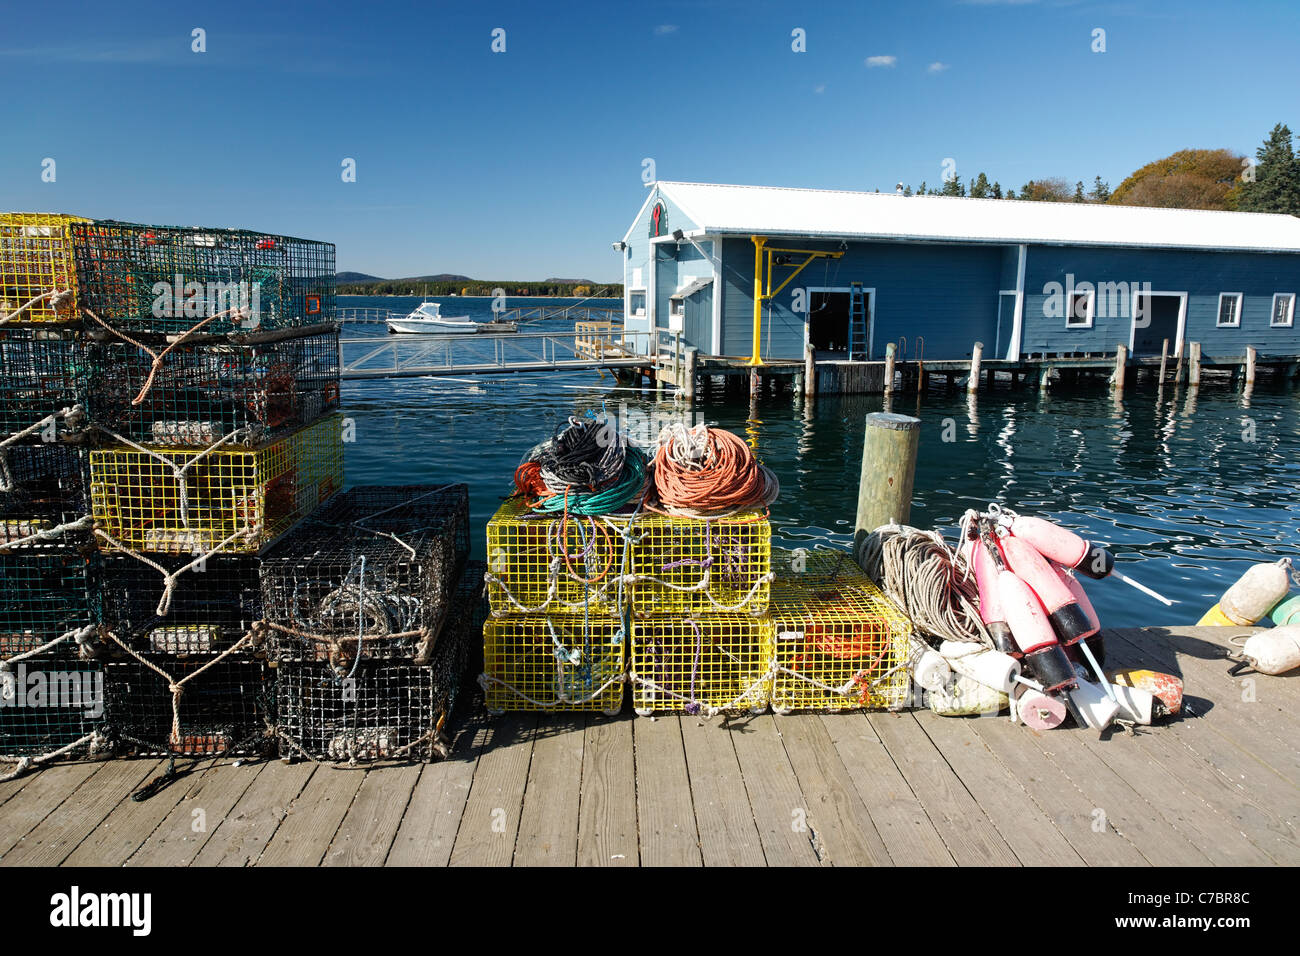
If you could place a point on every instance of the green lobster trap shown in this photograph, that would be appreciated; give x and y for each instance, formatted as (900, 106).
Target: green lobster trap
(49, 702)
(222, 498)
(140, 278)
(38, 274)
(46, 596)
(43, 377)
(201, 391)
(42, 488)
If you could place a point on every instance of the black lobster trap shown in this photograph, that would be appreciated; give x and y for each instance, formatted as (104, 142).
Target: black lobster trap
(371, 574)
(141, 278)
(47, 702)
(382, 709)
(210, 605)
(201, 391)
(43, 378)
(42, 487)
(204, 706)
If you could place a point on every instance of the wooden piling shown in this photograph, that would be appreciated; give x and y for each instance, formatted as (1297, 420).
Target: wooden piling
(976, 353)
(890, 350)
(1250, 364)
(1178, 364)
(1044, 377)
(889, 450)
(1164, 357)
(1121, 366)
(809, 371)
(688, 379)
(1194, 366)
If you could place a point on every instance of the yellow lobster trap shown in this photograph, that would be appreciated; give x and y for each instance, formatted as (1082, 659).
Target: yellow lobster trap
(37, 268)
(706, 665)
(552, 563)
(223, 498)
(839, 642)
(697, 566)
(557, 662)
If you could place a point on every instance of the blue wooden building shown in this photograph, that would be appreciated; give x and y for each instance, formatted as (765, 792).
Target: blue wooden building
(850, 272)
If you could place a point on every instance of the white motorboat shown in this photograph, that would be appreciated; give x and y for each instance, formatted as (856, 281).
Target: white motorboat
(428, 318)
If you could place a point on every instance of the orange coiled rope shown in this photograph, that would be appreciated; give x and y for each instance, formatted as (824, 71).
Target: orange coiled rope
(706, 472)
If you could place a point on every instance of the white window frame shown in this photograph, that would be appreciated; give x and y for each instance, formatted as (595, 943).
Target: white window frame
(1290, 312)
(645, 299)
(1091, 295)
(1218, 315)
(1133, 313)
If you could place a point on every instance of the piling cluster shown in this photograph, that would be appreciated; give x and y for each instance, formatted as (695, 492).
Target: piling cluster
(613, 566)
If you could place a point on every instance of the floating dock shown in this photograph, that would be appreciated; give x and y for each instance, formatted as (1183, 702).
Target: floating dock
(1216, 787)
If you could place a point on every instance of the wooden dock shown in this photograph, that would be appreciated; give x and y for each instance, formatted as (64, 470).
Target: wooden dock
(1221, 787)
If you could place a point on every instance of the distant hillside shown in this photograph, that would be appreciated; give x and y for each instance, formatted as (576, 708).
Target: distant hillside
(448, 284)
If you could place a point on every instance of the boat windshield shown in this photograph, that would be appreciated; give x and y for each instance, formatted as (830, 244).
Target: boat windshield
(429, 309)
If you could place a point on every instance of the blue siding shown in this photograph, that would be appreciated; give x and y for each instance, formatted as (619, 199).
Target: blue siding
(637, 256)
(1010, 267)
(1203, 275)
(947, 294)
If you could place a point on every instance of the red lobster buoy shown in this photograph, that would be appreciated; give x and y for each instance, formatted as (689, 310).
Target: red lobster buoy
(1068, 619)
(1061, 545)
(991, 613)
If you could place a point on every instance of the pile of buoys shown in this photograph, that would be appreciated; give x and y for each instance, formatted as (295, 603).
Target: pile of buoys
(1259, 593)
(1043, 657)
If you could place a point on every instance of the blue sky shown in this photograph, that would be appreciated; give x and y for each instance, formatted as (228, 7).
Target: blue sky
(527, 163)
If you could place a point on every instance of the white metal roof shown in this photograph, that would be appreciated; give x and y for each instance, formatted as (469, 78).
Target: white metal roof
(771, 211)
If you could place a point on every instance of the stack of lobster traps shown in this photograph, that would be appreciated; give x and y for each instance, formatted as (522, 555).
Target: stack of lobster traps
(210, 362)
(369, 611)
(51, 688)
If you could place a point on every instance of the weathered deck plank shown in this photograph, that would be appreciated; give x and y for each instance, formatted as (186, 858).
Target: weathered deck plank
(242, 834)
(779, 806)
(41, 793)
(607, 834)
(304, 835)
(665, 816)
(491, 821)
(728, 835)
(548, 824)
(370, 826)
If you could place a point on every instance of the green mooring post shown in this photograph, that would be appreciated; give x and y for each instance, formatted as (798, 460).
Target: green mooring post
(888, 467)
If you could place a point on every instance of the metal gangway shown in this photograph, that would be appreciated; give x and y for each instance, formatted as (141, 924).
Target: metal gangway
(591, 345)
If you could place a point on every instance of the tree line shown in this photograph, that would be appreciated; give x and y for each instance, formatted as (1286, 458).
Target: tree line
(414, 287)
(1186, 179)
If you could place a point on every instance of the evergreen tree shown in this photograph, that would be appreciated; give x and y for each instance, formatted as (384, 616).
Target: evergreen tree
(953, 187)
(907, 190)
(922, 190)
(1011, 194)
(1277, 177)
(979, 186)
(1100, 190)
(1078, 191)
(996, 191)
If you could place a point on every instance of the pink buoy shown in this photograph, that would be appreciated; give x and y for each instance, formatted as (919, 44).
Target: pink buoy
(1063, 546)
(991, 612)
(1039, 711)
(1068, 620)
(1081, 598)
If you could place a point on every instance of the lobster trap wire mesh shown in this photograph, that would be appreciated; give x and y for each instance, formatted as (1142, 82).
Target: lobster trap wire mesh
(381, 710)
(717, 663)
(840, 643)
(372, 573)
(129, 275)
(35, 258)
(556, 662)
(202, 392)
(527, 567)
(693, 566)
(226, 709)
(43, 372)
(238, 498)
(211, 606)
(47, 702)
(46, 594)
(41, 487)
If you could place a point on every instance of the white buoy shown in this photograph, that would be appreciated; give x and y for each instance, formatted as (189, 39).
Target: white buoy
(1274, 651)
(962, 697)
(1094, 705)
(928, 668)
(1256, 592)
(990, 668)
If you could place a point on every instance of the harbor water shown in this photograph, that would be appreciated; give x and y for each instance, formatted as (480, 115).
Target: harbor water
(1187, 488)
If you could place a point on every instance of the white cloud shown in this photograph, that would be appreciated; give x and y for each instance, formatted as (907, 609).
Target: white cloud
(819, 88)
(883, 60)
(936, 67)
(665, 28)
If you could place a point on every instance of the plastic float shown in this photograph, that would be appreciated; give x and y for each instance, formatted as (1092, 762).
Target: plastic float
(1253, 596)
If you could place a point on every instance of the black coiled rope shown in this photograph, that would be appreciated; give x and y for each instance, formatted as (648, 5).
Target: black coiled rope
(587, 453)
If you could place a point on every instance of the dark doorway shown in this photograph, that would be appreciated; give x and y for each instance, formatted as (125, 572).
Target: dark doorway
(1162, 313)
(828, 321)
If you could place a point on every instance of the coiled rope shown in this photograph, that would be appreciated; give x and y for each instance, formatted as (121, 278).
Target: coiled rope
(587, 468)
(708, 472)
(927, 580)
